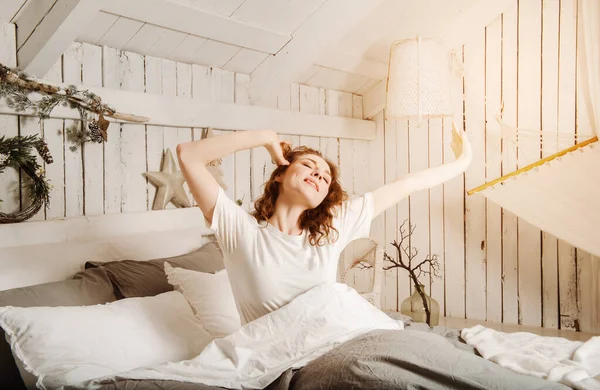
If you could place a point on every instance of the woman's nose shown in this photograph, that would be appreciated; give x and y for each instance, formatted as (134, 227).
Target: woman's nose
(317, 174)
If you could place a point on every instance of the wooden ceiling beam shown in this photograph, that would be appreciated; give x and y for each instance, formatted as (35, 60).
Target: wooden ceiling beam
(187, 112)
(194, 21)
(319, 33)
(46, 28)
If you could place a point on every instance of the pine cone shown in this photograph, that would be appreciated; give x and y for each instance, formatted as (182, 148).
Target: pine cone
(42, 148)
(95, 133)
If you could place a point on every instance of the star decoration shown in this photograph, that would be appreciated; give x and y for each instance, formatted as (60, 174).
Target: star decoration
(169, 183)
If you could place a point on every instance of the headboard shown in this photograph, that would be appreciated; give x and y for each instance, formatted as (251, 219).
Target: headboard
(44, 251)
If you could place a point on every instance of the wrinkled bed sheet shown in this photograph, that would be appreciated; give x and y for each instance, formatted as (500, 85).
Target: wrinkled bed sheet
(415, 358)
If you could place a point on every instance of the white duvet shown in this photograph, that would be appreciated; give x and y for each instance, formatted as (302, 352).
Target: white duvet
(256, 354)
(571, 363)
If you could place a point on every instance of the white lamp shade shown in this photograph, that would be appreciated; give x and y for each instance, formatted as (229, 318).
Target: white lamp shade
(418, 83)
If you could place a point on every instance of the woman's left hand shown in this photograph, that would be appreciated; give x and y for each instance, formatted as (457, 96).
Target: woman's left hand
(460, 144)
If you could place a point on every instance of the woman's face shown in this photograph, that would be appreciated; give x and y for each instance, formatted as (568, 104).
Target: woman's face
(307, 180)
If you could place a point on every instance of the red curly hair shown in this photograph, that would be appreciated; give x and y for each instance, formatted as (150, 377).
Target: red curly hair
(318, 221)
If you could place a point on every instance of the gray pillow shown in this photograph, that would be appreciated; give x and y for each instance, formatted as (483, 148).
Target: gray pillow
(90, 287)
(133, 278)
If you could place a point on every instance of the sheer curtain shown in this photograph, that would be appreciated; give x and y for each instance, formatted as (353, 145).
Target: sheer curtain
(562, 197)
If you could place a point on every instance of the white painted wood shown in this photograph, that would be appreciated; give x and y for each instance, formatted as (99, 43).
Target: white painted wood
(343, 101)
(120, 33)
(589, 291)
(132, 145)
(294, 92)
(389, 297)
(133, 141)
(245, 61)
(154, 134)
(418, 142)
(197, 22)
(9, 9)
(171, 134)
(310, 104)
(96, 29)
(215, 53)
(9, 125)
(588, 266)
(352, 63)
(319, 32)
(282, 16)
(29, 17)
(72, 72)
(368, 87)
(54, 137)
(185, 50)
(98, 226)
(115, 68)
(469, 23)
(201, 82)
(184, 80)
(374, 100)
(223, 7)
(493, 168)
(436, 210)
(185, 112)
(53, 34)
(337, 80)
(329, 147)
(550, 77)
(376, 178)
(93, 155)
(166, 44)
(242, 158)
(223, 90)
(390, 21)
(475, 253)
(307, 74)
(403, 207)
(454, 213)
(8, 41)
(144, 38)
(45, 251)
(509, 164)
(567, 116)
(529, 103)
(261, 165)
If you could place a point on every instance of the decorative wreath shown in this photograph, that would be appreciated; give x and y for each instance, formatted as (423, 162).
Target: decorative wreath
(16, 152)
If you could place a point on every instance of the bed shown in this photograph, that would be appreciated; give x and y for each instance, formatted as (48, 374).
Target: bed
(74, 281)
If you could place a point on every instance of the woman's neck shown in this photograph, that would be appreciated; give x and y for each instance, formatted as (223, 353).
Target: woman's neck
(286, 218)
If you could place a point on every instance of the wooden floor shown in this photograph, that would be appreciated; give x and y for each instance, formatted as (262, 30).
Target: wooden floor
(460, 323)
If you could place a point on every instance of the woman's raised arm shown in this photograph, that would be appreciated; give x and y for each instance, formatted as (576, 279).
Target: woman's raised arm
(388, 195)
(195, 155)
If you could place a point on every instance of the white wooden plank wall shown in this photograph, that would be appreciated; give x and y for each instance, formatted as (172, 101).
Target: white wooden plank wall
(513, 272)
(495, 266)
(108, 178)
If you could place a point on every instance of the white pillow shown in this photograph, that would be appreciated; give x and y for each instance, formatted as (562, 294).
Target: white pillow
(67, 345)
(210, 296)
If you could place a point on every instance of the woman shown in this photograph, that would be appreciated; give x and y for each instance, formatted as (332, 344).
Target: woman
(302, 222)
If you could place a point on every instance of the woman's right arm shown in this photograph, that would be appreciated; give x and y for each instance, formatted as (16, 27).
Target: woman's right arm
(195, 155)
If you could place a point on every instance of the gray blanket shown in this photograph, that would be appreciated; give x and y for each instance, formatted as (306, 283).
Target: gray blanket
(414, 358)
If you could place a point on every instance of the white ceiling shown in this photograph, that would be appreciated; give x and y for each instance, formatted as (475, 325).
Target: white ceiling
(239, 35)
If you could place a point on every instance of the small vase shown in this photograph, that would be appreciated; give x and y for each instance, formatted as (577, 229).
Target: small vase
(414, 308)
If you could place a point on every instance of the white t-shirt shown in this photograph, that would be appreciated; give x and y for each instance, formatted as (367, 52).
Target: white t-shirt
(268, 268)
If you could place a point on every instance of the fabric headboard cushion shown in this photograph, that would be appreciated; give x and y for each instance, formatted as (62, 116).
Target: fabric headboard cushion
(133, 279)
(89, 287)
